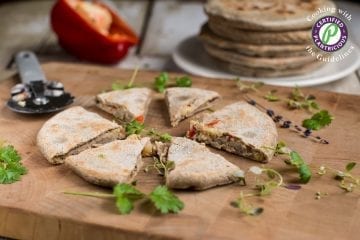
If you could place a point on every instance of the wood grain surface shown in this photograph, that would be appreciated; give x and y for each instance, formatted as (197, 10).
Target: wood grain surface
(36, 208)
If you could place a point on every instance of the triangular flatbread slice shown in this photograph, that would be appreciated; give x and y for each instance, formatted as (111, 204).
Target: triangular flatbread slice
(239, 128)
(185, 102)
(125, 105)
(196, 167)
(74, 130)
(110, 164)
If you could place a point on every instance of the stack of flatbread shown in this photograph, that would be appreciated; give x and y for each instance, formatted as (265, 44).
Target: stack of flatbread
(261, 38)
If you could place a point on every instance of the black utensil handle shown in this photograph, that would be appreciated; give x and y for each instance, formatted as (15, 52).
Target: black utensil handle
(29, 67)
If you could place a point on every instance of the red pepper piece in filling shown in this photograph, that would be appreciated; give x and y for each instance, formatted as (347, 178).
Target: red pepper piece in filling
(213, 123)
(191, 133)
(140, 119)
(91, 41)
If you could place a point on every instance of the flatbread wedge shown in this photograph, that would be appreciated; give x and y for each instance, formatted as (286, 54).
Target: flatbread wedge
(74, 130)
(196, 167)
(125, 105)
(185, 102)
(238, 128)
(109, 164)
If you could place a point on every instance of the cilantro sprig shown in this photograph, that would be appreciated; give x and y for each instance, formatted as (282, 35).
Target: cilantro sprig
(125, 195)
(293, 158)
(244, 87)
(271, 96)
(118, 85)
(11, 168)
(347, 180)
(318, 120)
(163, 81)
(298, 100)
(134, 127)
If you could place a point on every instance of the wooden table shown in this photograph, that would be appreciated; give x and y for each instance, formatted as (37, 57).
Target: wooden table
(162, 24)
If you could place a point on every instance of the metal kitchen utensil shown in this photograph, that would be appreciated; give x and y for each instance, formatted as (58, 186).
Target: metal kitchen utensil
(35, 95)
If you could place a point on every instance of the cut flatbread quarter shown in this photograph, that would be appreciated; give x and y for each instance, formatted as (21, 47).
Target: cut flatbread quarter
(238, 128)
(185, 102)
(196, 167)
(126, 105)
(109, 164)
(74, 130)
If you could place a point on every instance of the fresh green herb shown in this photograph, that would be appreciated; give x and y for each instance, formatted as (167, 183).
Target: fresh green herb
(347, 180)
(163, 81)
(101, 155)
(134, 127)
(245, 207)
(281, 148)
(298, 100)
(126, 195)
(120, 86)
(271, 97)
(318, 120)
(294, 159)
(184, 81)
(266, 185)
(303, 169)
(243, 87)
(11, 167)
(165, 201)
(161, 166)
(165, 137)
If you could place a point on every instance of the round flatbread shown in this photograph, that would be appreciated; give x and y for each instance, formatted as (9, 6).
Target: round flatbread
(283, 50)
(269, 15)
(261, 37)
(267, 72)
(279, 63)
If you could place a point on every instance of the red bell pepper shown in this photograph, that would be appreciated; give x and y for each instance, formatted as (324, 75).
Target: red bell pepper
(81, 38)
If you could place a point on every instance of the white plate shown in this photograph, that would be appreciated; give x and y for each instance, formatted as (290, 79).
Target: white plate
(191, 57)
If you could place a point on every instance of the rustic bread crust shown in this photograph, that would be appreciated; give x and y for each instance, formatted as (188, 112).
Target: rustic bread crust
(125, 105)
(109, 164)
(238, 128)
(196, 167)
(186, 102)
(71, 129)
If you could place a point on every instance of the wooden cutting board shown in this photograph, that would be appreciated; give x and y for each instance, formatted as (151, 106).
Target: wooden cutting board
(36, 208)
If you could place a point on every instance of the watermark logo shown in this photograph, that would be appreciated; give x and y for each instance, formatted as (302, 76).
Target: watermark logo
(329, 33)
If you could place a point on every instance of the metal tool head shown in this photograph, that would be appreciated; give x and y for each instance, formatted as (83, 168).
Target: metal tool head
(35, 94)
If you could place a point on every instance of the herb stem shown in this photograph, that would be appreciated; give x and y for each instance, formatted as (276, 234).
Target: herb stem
(133, 76)
(91, 194)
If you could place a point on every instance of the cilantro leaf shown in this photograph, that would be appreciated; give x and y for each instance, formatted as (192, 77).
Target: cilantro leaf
(134, 127)
(126, 195)
(305, 173)
(184, 81)
(271, 97)
(161, 82)
(11, 168)
(350, 166)
(8, 154)
(165, 201)
(303, 169)
(165, 137)
(318, 120)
